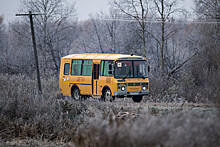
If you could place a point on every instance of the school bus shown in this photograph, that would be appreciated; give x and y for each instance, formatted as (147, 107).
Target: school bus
(104, 76)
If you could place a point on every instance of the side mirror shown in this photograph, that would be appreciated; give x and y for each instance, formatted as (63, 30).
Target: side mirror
(148, 68)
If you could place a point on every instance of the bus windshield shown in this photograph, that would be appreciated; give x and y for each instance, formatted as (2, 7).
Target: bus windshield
(130, 69)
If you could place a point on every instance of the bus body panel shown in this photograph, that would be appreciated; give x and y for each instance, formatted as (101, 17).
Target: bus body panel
(106, 81)
(84, 83)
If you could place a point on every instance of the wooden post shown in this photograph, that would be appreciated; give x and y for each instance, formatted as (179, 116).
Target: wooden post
(34, 46)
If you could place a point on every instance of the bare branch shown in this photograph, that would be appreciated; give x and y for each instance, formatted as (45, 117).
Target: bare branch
(180, 65)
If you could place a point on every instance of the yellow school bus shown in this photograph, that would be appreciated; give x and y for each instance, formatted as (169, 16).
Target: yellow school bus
(104, 76)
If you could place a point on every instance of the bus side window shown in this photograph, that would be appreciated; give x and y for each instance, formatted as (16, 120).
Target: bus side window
(87, 67)
(66, 68)
(105, 67)
(76, 67)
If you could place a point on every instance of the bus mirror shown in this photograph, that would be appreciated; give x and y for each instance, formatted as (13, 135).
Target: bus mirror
(148, 68)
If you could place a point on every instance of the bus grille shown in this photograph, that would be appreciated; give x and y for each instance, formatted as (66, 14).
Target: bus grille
(134, 84)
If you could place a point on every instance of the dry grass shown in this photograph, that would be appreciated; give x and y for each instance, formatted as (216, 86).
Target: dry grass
(181, 129)
(32, 142)
(29, 118)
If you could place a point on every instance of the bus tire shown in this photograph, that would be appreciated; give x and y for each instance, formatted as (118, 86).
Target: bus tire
(137, 98)
(107, 95)
(76, 94)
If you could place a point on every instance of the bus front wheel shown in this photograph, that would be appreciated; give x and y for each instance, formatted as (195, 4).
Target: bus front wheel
(107, 95)
(76, 94)
(137, 98)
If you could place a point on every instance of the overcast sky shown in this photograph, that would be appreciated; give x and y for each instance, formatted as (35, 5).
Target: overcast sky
(8, 8)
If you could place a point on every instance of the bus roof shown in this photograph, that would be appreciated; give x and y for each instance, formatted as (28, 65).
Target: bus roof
(100, 56)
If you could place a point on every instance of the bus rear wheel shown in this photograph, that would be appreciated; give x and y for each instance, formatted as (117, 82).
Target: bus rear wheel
(137, 98)
(76, 94)
(107, 95)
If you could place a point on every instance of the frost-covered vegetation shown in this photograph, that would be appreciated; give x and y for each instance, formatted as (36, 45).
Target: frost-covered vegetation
(25, 115)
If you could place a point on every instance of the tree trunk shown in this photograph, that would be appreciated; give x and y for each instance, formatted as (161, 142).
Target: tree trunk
(162, 37)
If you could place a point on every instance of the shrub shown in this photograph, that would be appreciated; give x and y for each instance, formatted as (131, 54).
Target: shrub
(180, 129)
(26, 114)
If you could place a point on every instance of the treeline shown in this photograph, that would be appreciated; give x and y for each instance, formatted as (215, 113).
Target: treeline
(183, 55)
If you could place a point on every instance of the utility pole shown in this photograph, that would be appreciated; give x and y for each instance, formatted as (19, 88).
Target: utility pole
(34, 46)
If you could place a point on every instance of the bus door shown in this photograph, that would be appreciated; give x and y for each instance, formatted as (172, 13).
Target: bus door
(65, 78)
(95, 79)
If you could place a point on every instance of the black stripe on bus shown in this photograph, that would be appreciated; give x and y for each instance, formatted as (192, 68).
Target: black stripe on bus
(80, 84)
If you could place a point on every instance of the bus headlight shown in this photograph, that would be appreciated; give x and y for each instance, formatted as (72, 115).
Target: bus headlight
(144, 88)
(123, 88)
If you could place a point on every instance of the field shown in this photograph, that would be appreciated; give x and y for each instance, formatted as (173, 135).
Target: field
(27, 118)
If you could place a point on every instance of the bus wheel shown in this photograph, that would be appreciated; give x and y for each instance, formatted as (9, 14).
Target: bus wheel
(137, 98)
(107, 95)
(76, 94)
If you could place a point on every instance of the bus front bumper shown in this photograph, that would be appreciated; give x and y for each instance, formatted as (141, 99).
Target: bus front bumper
(118, 93)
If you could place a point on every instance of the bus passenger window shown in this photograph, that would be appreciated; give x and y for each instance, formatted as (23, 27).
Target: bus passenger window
(87, 67)
(76, 67)
(66, 68)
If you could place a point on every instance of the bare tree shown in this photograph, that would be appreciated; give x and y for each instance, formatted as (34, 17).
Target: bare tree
(113, 30)
(165, 11)
(112, 25)
(98, 35)
(52, 28)
(205, 67)
(208, 9)
(106, 33)
(3, 46)
(138, 10)
(20, 46)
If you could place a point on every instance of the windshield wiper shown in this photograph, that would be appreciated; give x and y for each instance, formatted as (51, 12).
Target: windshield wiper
(125, 77)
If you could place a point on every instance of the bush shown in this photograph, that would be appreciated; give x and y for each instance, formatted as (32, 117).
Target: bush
(24, 114)
(180, 129)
